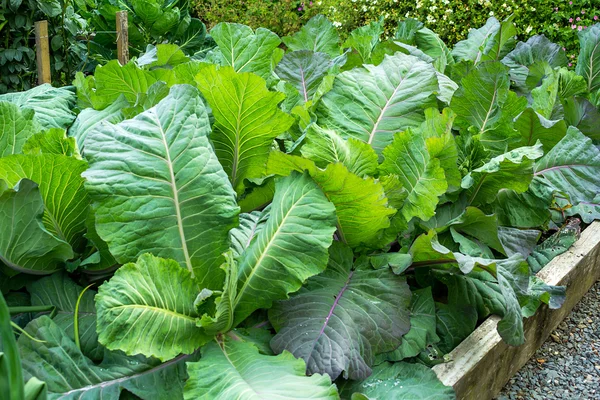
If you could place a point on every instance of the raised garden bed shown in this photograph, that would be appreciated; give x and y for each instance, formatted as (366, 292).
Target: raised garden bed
(482, 364)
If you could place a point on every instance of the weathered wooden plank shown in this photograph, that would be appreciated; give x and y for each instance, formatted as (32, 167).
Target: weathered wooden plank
(42, 50)
(122, 37)
(482, 364)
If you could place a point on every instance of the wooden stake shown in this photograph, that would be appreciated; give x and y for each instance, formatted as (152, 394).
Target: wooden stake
(122, 38)
(42, 52)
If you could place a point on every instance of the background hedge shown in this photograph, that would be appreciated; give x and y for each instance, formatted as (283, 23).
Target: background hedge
(451, 19)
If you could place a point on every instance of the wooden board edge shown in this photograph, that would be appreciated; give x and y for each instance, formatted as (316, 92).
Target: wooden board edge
(482, 364)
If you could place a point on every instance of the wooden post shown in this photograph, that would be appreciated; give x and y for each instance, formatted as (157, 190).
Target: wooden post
(42, 52)
(122, 38)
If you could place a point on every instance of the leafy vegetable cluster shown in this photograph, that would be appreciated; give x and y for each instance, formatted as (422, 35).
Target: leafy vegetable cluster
(316, 223)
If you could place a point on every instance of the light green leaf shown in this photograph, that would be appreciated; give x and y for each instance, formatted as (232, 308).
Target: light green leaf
(431, 44)
(537, 49)
(365, 38)
(52, 106)
(139, 312)
(570, 84)
(480, 41)
(361, 205)
(70, 375)
(258, 197)
(325, 146)
(544, 95)
(588, 62)
(114, 80)
(159, 175)
(318, 35)
(485, 106)
(374, 102)
(422, 327)
(89, 118)
(247, 119)
(233, 369)
(60, 183)
(441, 144)
(166, 55)
(305, 70)
(512, 170)
(533, 127)
(16, 126)
(422, 176)
(343, 317)
(398, 381)
(571, 168)
(250, 225)
(245, 50)
(52, 141)
(478, 225)
(291, 247)
(25, 245)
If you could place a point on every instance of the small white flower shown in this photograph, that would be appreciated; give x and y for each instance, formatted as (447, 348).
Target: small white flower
(528, 29)
(337, 24)
(491, 13)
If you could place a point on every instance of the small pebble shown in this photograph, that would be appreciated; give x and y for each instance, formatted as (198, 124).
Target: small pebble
(567, 366)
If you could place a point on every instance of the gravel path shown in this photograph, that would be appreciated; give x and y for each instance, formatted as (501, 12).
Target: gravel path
(567, 366)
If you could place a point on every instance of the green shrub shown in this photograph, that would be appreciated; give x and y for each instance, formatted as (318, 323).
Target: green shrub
(280, 16)
(452, 19)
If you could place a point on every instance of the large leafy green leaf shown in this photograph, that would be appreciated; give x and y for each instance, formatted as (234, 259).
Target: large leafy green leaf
(59, 178)
(537, 50)
(343, 317)
(25, 245)
(52, 106)
(325, 146)
(89, 118)
(233, 369)
(583, 115)
(60, 291)
(16, 126)
(318, 35)
(454, 324)
(364, 40)
(70, 375)
(247, 119)
(588, 62)
(522, 210)
(512, 170)
(250, 225)
(485, 106)
(533, 127)
(291, 246)
(490, 42)
(52, 141)
(158, 186)
(361, 205)
(440, 142)
(113, 80)
(139, 312)
(571, 168)
(419, 173)
(245, 50)
(399, 381)
(305, 70)
(374, 102)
